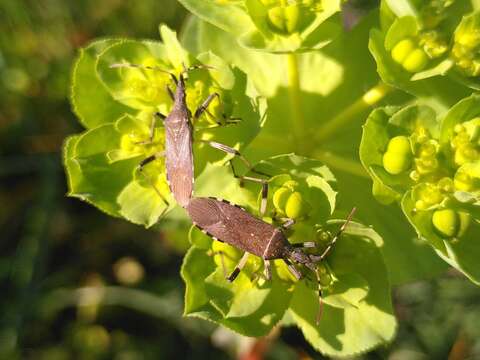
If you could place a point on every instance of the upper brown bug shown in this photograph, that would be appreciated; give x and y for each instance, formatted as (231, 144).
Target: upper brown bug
(233, 225)
(179, 136)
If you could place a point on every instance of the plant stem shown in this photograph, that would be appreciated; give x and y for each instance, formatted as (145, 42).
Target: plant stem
(341, 163)
(370, 98)
(296, 113)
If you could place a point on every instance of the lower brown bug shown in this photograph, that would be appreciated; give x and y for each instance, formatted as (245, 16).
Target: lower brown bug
(233, 225)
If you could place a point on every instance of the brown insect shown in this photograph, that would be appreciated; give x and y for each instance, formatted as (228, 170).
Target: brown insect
(235, 226)
(179, 137)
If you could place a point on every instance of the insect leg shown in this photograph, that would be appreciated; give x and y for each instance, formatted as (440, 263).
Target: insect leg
(170, 92)
(138, 66)
(239, 267)
(287, 223)
(267, 269)
(320, 299)
(204, 105)
(203, 108)
(307, 245)
(295, 272)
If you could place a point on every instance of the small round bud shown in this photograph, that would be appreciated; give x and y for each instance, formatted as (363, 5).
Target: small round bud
(446, 185)
(416, 61)
(398, 157)
(446, 222)
(449, 223)
(428, 149)
(402, 50)
(465, 154)
(395, 163)
(296, 207)
(414, 175)
(284, 19)
(459, 128)
(399, 144)
(462, 181)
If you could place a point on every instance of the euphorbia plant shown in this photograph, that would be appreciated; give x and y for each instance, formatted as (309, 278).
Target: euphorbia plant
(297, 83)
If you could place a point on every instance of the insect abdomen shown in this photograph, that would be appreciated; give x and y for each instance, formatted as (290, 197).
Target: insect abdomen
(233, 225)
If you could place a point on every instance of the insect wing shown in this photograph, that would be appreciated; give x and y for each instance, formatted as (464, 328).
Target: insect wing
(179, 161)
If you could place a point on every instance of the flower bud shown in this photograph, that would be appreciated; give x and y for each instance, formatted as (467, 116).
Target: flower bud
(446, 185)
(296, 207)
(398, 157)
(416, 61)
(465, 50)
(427, 195)
(465, 154)
(449, 223)
(463, 181)
(284, 19)
(402, 49)
(433, 44)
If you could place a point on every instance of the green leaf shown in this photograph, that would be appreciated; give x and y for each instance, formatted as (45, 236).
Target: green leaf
(348, 290)
(136, 87)
(401, 7)
(175, 53)
(247, 307)
(141, 204)
(92, 177)
(201, 36)
(91, 101)
(402, 28)
(350, 330)
(464, 110)
(462, 254)
(227, 16)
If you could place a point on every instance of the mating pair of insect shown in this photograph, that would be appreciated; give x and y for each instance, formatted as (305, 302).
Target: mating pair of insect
(217, 218)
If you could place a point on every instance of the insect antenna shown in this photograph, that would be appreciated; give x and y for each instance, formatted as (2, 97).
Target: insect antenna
(147, 67)
(322, 256)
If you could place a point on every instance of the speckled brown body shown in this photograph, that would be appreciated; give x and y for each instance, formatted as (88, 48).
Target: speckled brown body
(178, 148)
(233, 225)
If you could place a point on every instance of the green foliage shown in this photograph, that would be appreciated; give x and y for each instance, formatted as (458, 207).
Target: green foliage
(273, 25)
(305, 103)
(438, 188)
(102, 163)
(353, 290)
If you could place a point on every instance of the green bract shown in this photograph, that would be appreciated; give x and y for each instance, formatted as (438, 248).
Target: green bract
(417, 45)
(273, 25)
(117, 105)
(466, 49)
(252, 306)
(439, 188)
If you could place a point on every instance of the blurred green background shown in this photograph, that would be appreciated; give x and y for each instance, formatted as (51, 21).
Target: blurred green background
(77, 284)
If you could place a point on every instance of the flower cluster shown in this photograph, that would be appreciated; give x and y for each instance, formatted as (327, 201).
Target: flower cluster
(430, 162)
(438, 38)
(278, 26)
(432, 166)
